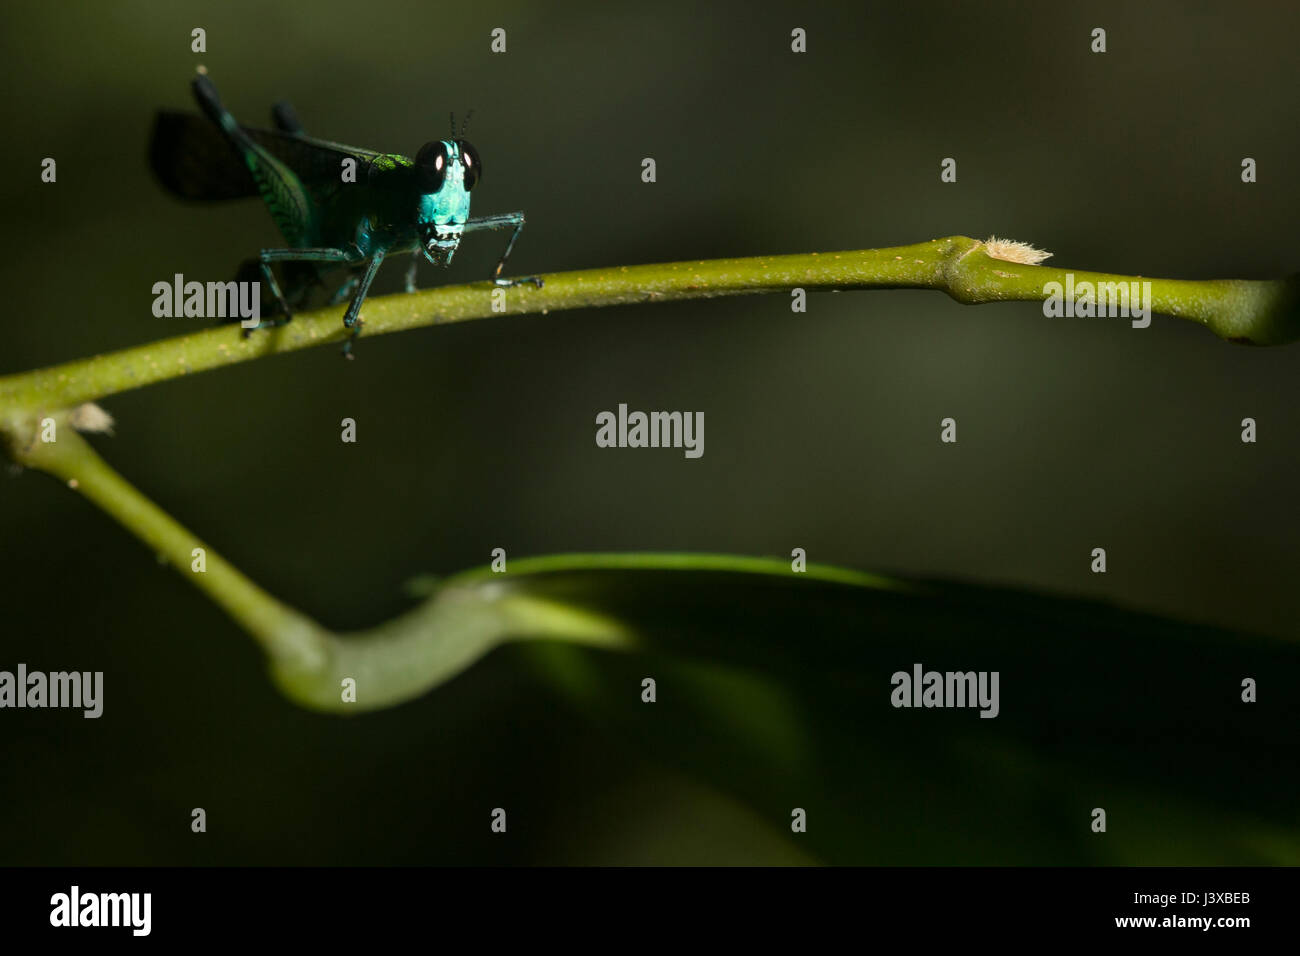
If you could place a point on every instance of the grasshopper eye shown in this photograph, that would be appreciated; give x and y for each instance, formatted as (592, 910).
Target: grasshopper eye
(473, 165)
(431, 166)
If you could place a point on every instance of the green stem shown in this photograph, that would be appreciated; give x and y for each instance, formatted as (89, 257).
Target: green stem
(1261, 312)
(464, 618)
(282, 632)
(470, 614)
(395, 662)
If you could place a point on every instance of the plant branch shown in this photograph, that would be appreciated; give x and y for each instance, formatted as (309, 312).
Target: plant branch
(1260, 312)
(472, 613)
(582, 599)
(282, 632)
(394, 662)
(462, 619)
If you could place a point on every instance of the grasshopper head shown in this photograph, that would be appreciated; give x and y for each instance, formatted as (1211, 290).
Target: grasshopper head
(446, 171)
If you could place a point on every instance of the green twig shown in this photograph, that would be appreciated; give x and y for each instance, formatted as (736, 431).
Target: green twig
(463, 618)
(470, 614)
(1261, 312)
(396, 661)
(283, 633)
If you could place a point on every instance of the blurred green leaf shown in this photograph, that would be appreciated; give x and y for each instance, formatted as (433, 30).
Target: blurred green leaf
(775, 687)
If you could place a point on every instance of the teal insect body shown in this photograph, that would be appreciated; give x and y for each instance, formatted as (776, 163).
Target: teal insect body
(335, 205)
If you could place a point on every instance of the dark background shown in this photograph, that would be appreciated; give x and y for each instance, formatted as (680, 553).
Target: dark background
(822, 428)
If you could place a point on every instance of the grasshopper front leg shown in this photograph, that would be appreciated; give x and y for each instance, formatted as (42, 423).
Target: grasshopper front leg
(503, 221)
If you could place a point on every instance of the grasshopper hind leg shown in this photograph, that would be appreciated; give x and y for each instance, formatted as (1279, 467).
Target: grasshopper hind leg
(285, 195)
(358, 284)
(298, 279)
